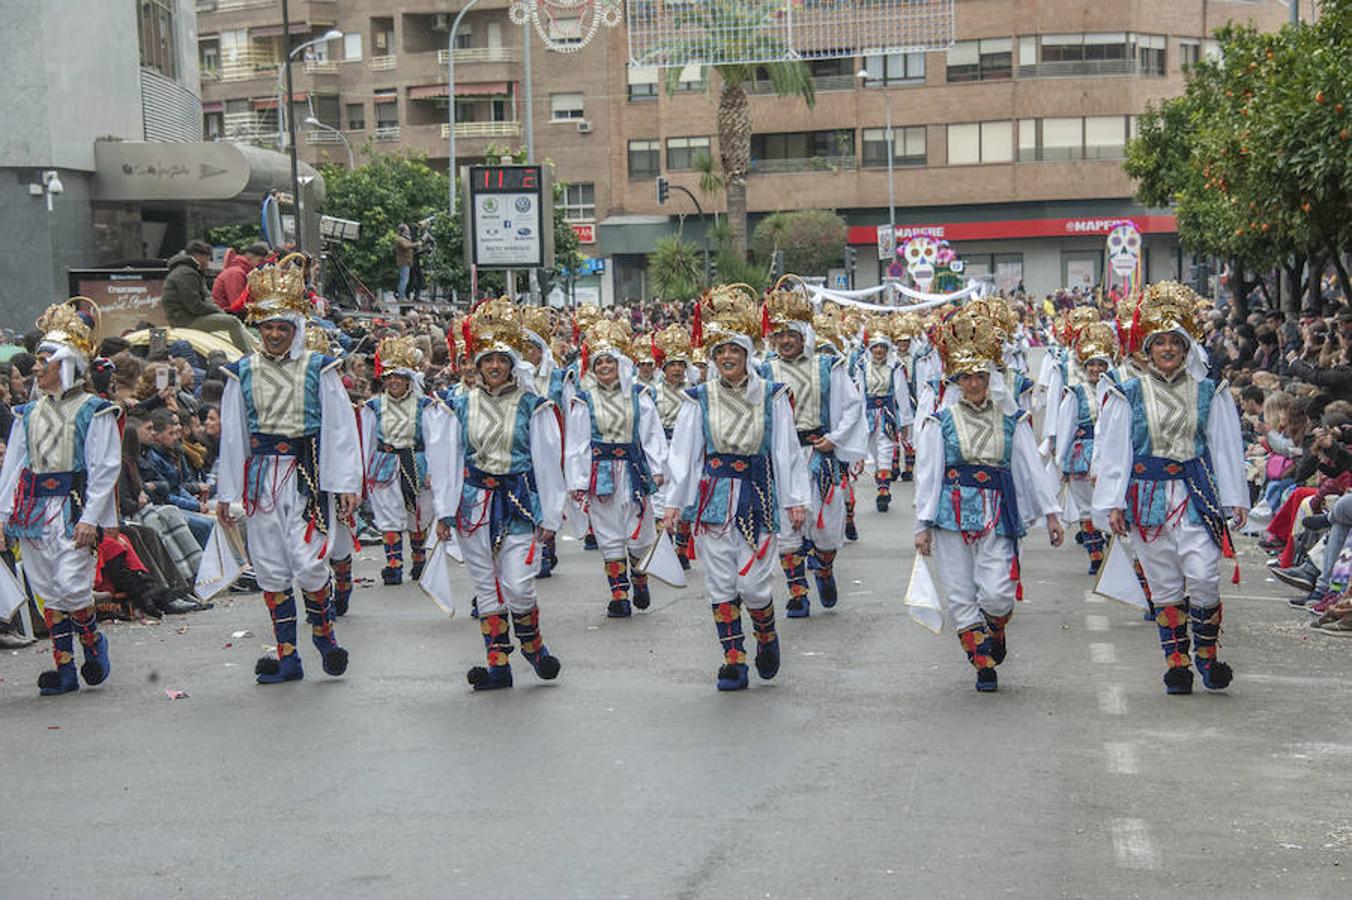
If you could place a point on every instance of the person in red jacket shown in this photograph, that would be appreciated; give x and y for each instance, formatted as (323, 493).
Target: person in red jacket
(229, 288)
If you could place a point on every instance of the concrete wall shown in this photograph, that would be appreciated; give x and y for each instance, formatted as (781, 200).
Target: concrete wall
(37, 246)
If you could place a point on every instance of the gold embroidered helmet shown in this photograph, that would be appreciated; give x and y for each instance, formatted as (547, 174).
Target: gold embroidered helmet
(277, 291)
(672, 344)
(538, 320)
(1096, 341)
(606, 338)
(642, 348)
(494, 327)
(830, 333)
(969, 340)
(1075, 321)
(878, 329)
(62, 324)
(786, 304)
(397, 356)
(727, 313)
(317, 339)
(584, 317)
(905, 326)
(1165, 306)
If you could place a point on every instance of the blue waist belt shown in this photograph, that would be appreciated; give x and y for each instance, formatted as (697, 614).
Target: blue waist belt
(1196, 474)
(511, 499)
(882, 408)
(641, 483)
(26, 519)
(305, 450)
(755, 513)
(991, 478)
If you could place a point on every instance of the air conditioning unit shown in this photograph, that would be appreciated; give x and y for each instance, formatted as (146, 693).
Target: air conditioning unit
(441, 22)
(584, 126)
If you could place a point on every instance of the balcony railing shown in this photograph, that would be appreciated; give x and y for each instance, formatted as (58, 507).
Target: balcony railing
(324, 137)
(1081, 68)
(806, 164)
(246, 64)
(482, 129)
(387, 133)
(480, 54)
(819, 83)
(248, 127)
(381, 63)
(231, 5)
(321, 67)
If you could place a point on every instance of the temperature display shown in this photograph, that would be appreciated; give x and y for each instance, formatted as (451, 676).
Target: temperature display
(511, 179)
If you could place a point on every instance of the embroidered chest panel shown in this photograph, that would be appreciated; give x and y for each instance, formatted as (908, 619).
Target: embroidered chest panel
(52, 432)
(980, 434)
(735, 424)
(491, 428)
(669, 400)
(277, 394)
(802, 379)
(612, 415)
(399, 421)
(1171, 413)
(877, 379)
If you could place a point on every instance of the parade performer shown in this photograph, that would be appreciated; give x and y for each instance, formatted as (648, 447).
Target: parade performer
(888, 401)
(343, 541)
(1170, 470)
(497, 480)
(675, 356)
(908, 332)
(833, 340)
(735, 454)
(645, 363)
(289, 447)
(395, 455)
(547, 382)
(979, 484)
(1078, 411)
(615, 461)
(57, 494)
(831, 435)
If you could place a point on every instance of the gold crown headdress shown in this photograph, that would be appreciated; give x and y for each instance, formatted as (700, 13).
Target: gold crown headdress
(494, 327)
(724, 313)
(606, 337)
(1076, 320)
(584, 317)
(905, 325)
(61, 324)
(1164, 306)
(970, 340)
(317, 339)
(538, 320)
(396, 353)
(643, 348)
(1096, 341)
(830, 332)
(878, 329)
(785, 304)
(278, 290)
(672, 344)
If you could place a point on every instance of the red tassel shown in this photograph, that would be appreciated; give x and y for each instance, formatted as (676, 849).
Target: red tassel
(584, 359)
(530, 554)
(1016, 576)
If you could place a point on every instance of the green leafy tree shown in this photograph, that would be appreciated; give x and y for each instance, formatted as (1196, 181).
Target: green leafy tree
(736, 30)
(675, 268)
(812, 240)
(237, 235)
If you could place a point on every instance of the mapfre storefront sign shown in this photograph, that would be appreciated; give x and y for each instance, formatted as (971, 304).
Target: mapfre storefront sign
(1011, 229)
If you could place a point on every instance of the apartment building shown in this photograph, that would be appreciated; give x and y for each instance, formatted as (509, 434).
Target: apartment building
(1009, 144)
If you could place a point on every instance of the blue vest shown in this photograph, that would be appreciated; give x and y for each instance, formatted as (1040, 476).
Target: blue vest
(386, 460)
(1149, 471)
(27, 518)
(757, 509)
(641, 483)
(980, 491)
(1082, 441)
(515, 505)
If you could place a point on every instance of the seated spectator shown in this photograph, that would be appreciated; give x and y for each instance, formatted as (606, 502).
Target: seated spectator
(167, 477)
(186, 302)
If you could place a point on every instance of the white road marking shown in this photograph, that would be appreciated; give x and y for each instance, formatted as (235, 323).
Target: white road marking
(1104, 654)
(1132, 845)
(1112, 700)
(1096, 623)
(1121, 758)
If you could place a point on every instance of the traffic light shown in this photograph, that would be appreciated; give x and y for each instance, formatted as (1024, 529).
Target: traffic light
(776, 264)
(851, 259)
(711, 276)
(663, 190)
(546, 281)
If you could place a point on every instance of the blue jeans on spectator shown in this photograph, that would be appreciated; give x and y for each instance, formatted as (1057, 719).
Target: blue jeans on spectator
(1274, 492)
(200, 525)
(1340, 515)
(404, 273)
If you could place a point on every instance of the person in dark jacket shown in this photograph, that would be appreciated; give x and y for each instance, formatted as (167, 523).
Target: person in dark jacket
(167, 477)
(186, 301)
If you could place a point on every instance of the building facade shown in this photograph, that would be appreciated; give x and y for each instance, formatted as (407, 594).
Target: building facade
(1009, 144)
(77, 72)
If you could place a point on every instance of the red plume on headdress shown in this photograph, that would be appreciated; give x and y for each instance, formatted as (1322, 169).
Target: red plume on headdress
(658, 356)
(697, 326)
(450, 347)
(379, 365)
(765, 321)
(468, 338)
(577, 332)
(1134, 335)
(584, 359)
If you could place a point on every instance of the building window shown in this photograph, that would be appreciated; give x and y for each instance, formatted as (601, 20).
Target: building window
(1004, 270)
(645, 159)
(565, 107)
(1150, 50)
(1092, 53)
(643, 82)
(213, 126)
(464, 38)
(988, 59)
(155, 19)
(691, 80)
(387, 109)
(974, 143)
(578, 202)
(894, 68)
(683, 151)
(796, 151)
(352, 46)
(209, 57)
(1189, 51)
(1059, 139)
(566, 31)
(908, 147)
(356, 117)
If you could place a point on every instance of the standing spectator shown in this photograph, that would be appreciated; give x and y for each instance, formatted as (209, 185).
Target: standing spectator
(230, 287)
(186, 302)
(404, 248)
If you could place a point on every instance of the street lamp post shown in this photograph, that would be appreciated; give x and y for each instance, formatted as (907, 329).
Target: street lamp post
(332, 34)
(315, 123)
(891, 152)
(451, 170)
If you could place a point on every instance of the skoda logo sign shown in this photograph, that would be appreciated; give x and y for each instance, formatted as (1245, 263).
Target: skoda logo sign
(490, 205)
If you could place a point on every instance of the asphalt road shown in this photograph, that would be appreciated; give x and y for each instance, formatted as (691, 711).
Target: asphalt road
(869, 768)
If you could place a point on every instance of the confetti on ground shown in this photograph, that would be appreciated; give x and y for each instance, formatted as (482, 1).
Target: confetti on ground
(176, 695)
(241, 634)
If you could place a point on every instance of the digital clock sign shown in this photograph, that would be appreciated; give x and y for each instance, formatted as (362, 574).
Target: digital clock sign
(509, 217)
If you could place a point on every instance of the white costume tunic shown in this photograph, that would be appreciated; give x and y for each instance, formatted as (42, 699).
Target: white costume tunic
(720, 426)
(973, 544)
(604, 419)
(52, 438)
(496, 466)
(825, 401)
(1154, 437)
(389, 426)
(887, 398)
(283, 404)
(1076, 420)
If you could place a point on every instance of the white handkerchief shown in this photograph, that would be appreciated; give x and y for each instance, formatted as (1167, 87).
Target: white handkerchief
(922, 599)
(11, 593)
(436, 578)
(1117, 578)
(662, 563)
(221, 565)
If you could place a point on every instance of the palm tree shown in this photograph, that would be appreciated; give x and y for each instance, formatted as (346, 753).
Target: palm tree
(732, 30)
(710, 178)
